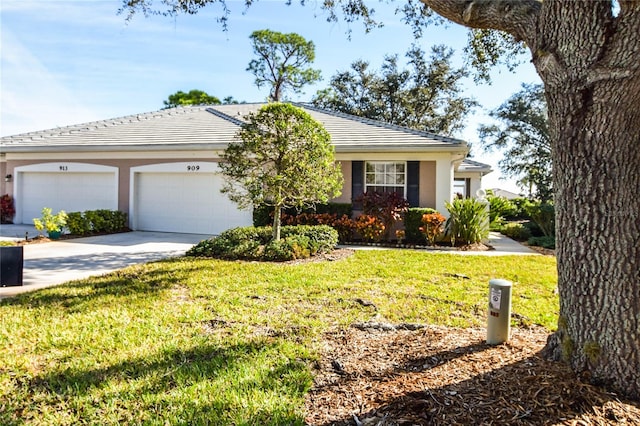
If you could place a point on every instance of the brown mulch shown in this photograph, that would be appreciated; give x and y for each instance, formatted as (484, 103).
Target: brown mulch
(36, 240)
(542, 250)
(332, 256)
(42, 239)
(381, 374)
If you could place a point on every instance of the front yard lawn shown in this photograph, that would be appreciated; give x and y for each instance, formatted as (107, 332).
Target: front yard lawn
(197, 341)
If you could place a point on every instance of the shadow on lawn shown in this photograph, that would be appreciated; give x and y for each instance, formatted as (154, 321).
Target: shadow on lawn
(206, 384)
(137, 280)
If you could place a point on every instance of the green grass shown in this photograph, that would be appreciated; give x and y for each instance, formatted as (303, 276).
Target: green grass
(194, 341)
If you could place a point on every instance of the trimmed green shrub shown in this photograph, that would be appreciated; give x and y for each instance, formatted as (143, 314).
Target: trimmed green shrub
(255, 243)
(322, 238)
(412, 223)
(545, 242)
(78, 224)
(468, 222)
(517, 231)
(290, 248)
(96, 221)
(544, 215)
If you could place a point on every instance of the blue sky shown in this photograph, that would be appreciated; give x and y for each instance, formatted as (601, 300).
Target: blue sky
(68, 62)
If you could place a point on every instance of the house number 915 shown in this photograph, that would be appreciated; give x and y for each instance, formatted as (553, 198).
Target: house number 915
(193, 168)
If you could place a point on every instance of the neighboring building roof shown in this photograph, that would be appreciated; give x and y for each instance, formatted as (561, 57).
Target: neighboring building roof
(504, 193)
(213, 126)
(469, 165)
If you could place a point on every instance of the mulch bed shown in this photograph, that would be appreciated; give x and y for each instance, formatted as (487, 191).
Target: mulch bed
(381, 374)
(42, 239)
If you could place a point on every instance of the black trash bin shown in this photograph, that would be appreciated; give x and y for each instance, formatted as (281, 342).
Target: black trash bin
(11, 265)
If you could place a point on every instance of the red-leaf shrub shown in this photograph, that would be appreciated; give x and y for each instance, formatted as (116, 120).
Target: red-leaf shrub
(7, 210)
(387, 207)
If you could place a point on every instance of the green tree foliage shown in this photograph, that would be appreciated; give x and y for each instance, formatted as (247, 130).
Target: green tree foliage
(282, 62)
(427, 96)
(524, 139)
(284, 159)
(194, 97)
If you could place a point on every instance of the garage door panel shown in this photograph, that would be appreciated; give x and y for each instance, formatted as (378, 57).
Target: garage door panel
(66, 191)
(184, 202)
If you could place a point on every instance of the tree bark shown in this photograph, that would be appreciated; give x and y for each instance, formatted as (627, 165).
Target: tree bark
(277, 214)
(589, 61)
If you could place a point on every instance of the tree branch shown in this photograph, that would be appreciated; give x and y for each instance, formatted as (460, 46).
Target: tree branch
(516, 17)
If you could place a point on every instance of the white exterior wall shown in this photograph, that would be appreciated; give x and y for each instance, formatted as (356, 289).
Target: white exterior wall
(444, 183)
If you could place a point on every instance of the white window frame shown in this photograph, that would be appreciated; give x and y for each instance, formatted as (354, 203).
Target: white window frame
(383, 177)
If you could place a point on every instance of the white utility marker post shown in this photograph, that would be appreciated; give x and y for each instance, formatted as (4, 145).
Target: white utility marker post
(499, 319)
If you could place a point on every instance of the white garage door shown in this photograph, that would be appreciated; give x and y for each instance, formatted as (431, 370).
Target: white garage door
(71, 192)
(184, 202)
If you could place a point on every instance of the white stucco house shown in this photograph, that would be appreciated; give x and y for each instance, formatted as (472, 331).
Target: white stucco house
(162, 167)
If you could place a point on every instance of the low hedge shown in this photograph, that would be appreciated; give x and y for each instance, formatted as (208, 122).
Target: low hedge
(516, 230)
(96, 222)
(256, 243)
(545, 242)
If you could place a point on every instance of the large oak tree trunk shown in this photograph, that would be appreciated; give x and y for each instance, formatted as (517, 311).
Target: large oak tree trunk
(589, 61)
(596, 153)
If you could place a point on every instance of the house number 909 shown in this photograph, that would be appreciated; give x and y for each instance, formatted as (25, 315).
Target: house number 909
(193, 168)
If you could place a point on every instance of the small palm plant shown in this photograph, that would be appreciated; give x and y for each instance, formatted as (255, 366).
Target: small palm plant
(52, 223)
(468, 221)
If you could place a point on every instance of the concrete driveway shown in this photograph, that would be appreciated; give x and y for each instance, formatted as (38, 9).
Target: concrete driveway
(49, 264)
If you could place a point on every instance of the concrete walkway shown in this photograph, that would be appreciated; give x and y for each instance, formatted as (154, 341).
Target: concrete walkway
(502, 246)
(52, 263)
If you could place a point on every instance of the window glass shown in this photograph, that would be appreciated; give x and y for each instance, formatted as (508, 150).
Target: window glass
(460, 189)
(385, 177)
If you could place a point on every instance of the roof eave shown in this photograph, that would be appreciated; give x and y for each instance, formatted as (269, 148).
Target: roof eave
(108, 148)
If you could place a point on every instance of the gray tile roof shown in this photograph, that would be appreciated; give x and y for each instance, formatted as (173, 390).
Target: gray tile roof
(469, 165)
(355, 134)
(213, 126)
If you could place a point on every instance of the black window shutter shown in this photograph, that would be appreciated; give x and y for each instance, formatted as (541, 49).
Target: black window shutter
(357, 182)
(413, 183)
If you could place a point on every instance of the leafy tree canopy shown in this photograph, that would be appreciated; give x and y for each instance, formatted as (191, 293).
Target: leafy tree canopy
(427, 96)
(196, 97)
(282, 62)
(523, 137)
(284, 159)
